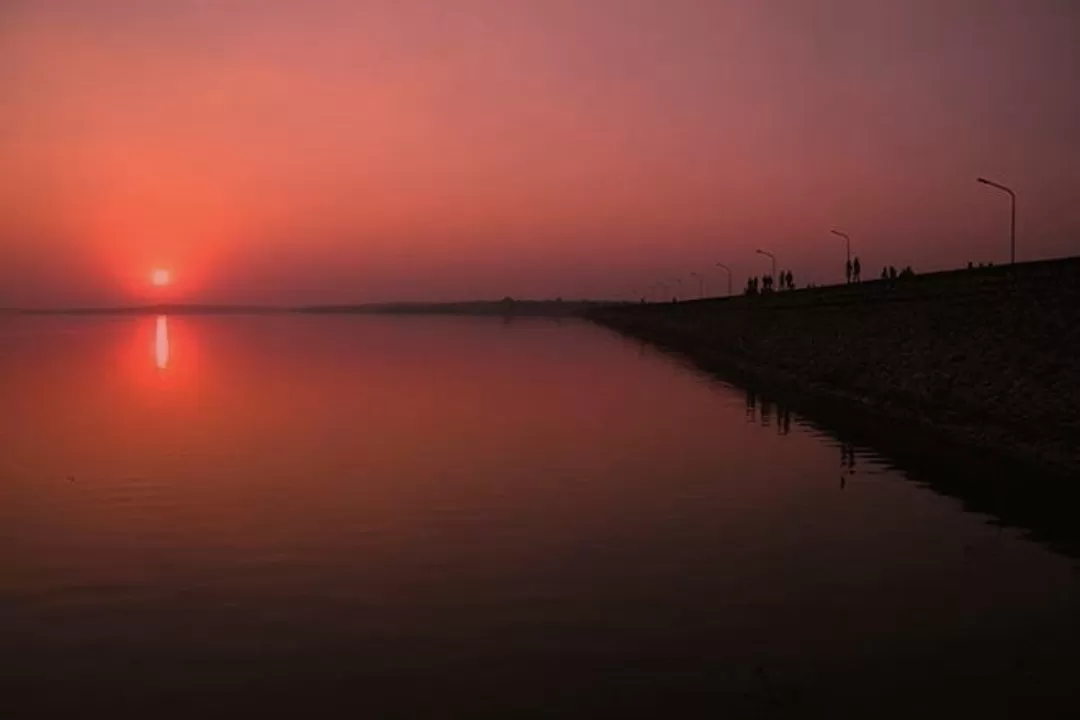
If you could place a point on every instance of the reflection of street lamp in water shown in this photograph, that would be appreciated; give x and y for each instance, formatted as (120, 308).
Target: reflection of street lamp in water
(161, 342)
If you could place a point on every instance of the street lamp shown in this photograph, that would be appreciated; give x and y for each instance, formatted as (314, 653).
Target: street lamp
(701, 284)
(848, 239)
(1012, 233)
(679, 281)
(763, 252)
(725, 267)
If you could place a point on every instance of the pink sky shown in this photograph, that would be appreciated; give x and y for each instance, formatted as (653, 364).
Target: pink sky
(274, 151)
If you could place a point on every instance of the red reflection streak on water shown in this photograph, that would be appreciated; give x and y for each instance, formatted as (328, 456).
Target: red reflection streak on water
(158, 361)
(161, 342)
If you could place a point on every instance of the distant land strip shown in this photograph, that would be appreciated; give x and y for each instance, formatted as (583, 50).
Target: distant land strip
(537, 308)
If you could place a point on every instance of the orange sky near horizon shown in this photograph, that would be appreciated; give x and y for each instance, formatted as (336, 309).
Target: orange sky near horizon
(333, 151)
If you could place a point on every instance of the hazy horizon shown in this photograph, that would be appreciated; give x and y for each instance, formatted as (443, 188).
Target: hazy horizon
(279, 153)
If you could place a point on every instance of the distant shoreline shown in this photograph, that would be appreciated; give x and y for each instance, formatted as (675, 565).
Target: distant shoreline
(534, 308)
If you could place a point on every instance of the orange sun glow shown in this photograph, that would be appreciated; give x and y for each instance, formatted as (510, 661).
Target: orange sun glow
(160, 278)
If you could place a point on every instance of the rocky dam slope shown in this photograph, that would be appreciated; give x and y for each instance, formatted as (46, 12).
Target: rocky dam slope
(985, 358)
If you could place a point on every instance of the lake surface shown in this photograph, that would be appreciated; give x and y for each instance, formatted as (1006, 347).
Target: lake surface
(454, 517)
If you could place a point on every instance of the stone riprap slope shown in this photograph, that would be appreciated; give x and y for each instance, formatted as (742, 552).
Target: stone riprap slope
(989, 357)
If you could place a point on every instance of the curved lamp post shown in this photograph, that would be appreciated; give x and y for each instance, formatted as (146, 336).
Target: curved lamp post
(679, 292)
(701, 283)
(773, 257)
(847, 238)
(1012, 232)
(728, 270)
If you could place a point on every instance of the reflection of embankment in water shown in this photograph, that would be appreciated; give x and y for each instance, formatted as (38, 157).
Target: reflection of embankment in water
(1012, 495)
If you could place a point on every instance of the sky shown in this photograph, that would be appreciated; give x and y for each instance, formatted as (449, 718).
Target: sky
(282, 152)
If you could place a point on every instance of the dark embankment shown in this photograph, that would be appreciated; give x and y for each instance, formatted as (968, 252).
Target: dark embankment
(970, 377)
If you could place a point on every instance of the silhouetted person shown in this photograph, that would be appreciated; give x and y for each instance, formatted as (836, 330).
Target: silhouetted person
(790, 281)
(971, 265)
(892, 272)
(847, 271)
(884, 273)
(856, 270)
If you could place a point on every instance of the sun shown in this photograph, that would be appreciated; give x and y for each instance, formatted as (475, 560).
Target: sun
(160, 277)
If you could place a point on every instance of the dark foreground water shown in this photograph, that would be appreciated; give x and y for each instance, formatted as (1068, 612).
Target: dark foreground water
(407, 517)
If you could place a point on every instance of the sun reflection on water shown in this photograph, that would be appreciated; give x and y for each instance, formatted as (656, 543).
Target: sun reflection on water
(161, 342)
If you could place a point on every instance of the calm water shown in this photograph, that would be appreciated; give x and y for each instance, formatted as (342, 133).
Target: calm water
(450, 517)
